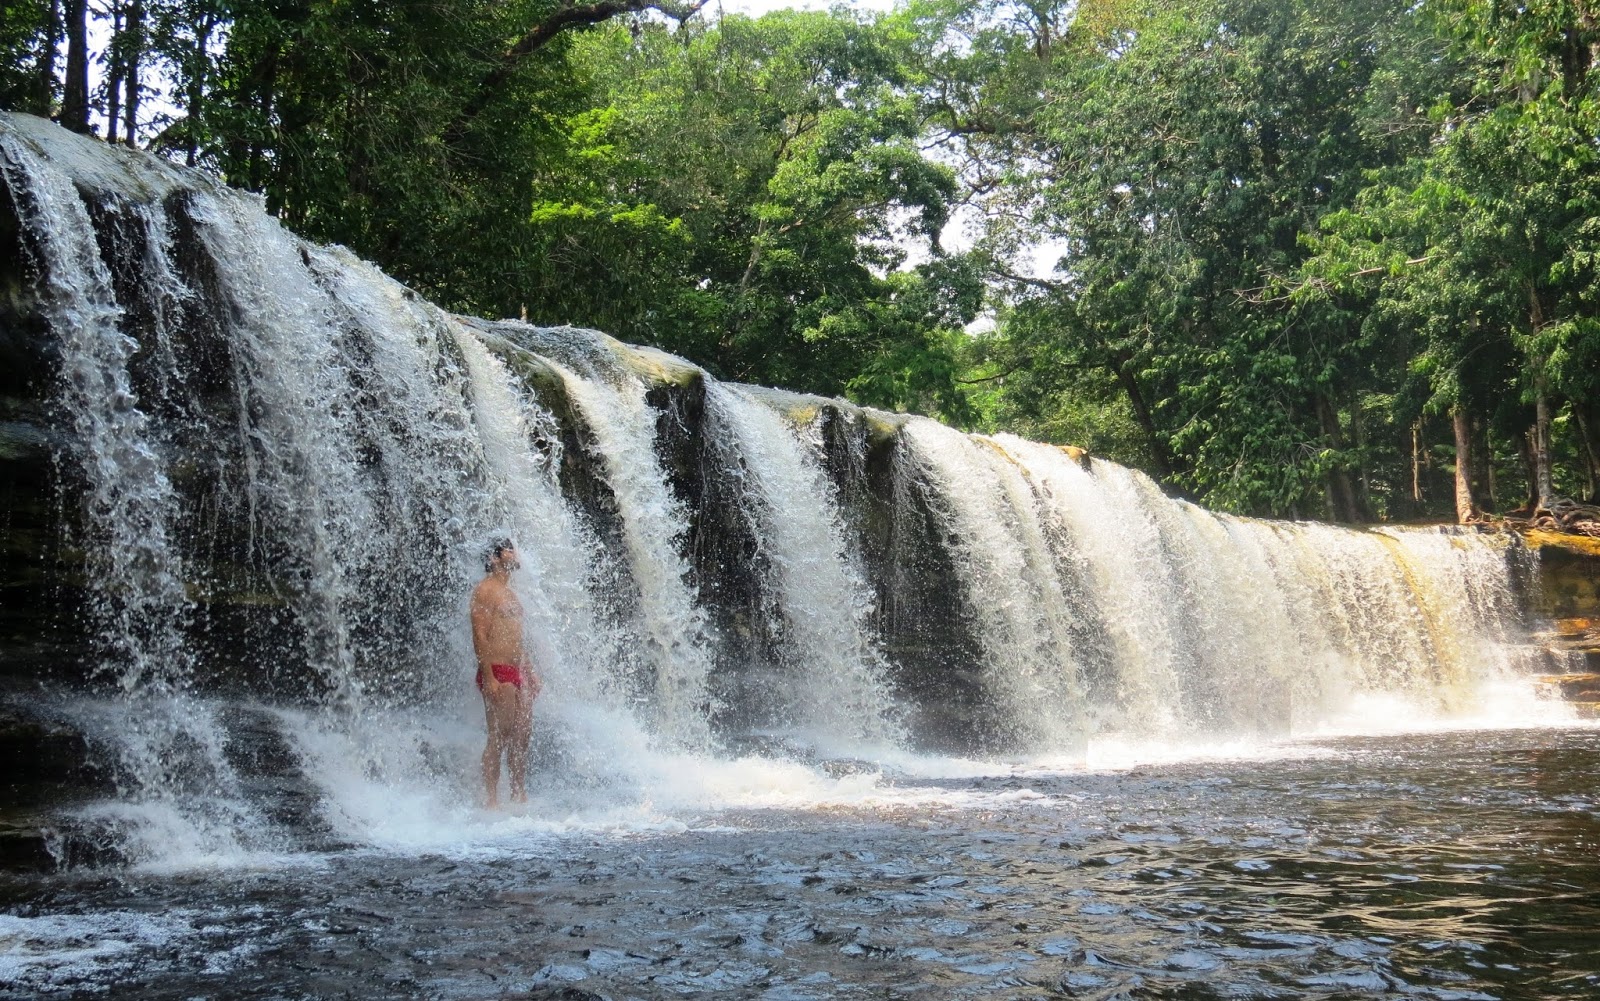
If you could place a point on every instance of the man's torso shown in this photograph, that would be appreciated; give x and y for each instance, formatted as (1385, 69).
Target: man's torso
(501, 637)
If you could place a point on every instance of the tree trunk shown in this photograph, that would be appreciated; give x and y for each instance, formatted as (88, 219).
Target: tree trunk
(244, 156)
(1430, 471)
(258, 155)
(114, 62)
(1416, 463)
(1342, 502)
(197, 88)
(1544, 493)
(75, 90)
(1467, 509)
(1492, 482)
(1591, 448)
(1159, 451)
(134, 55)
(1482, 461)
(1358, 427)
(1530, 470)
(45, 73)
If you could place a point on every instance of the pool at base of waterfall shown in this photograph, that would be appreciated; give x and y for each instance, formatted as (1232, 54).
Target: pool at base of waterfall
(1452, 864)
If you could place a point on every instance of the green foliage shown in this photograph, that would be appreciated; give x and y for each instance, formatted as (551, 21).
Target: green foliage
(22, 42)
(745, 186)
(1184, 153)
(1481, 248)
(1291, 236)
(350, 119)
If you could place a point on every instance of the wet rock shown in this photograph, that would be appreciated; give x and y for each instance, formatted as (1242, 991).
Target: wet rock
(43, 760)
(1566, 584)
(26, 844)
(563, 994)
(1563, 587)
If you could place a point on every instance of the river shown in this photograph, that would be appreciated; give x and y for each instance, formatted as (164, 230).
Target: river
(1450, 864)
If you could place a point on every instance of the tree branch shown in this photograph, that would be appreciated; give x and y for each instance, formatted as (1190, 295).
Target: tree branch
(991, 378)
(1045, 284)
(1259, 296)
(568, 15)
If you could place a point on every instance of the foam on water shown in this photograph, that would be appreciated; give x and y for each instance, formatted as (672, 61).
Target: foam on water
(1507, 704)
(670, 792)
(57, 950)
(85, 953)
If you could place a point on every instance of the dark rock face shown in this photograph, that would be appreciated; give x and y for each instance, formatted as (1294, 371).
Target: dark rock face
(33, 582)
(922, 612)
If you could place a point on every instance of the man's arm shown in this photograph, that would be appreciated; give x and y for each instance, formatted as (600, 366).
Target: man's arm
(482, 619)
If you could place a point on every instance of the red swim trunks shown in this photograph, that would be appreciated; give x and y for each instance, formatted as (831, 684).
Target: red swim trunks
(506, 674)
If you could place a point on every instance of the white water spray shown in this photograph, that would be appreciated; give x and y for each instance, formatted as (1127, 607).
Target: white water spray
(653, 524)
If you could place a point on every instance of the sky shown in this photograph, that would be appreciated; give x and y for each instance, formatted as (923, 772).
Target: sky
(755, 8)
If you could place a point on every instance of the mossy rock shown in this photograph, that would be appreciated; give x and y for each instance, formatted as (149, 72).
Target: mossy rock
(1567, 584)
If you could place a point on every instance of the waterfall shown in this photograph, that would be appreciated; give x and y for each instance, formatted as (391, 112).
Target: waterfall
(1011, 581)
(833, 678)
(128, 501)
(1141, 599)
(274, 470)
(177, 784)
(673, 628)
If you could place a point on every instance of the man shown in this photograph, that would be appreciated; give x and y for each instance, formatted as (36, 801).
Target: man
(505, 677)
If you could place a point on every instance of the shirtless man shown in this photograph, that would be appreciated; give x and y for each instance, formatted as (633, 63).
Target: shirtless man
(505, 677)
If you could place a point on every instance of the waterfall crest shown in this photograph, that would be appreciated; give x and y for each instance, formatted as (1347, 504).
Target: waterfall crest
(275, 468)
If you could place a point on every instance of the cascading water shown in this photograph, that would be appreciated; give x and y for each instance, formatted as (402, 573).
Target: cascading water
(833, 678)
(178, 787)
(285, 466)
(1012, 581)
(672, 627)
(1130, 568)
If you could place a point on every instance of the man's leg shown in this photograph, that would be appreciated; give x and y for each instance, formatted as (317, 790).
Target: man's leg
(492, 751)
(520, 733)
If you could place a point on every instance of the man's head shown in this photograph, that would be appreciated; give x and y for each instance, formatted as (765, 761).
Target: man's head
(500, 554)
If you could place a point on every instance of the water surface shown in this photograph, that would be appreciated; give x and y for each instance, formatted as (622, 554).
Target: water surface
(1450, 865)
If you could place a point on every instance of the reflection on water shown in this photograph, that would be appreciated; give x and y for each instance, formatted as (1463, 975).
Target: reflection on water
(1453, 865)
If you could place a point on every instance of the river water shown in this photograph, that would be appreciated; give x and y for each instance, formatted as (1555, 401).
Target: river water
(1450, 864)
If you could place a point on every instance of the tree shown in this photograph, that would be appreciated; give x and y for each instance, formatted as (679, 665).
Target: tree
(741, 193)
(1184, 148)
(29, 33)
(75, 88)
(1485, 243)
